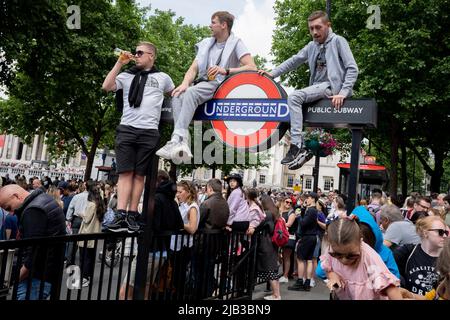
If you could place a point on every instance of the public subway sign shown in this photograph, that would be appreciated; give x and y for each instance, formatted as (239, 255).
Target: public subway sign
(354, 113)
(248, 111)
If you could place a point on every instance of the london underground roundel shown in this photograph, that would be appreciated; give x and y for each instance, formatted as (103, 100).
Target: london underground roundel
(248, 111)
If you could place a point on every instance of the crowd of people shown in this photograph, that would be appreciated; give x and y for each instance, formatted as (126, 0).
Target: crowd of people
(395, 248)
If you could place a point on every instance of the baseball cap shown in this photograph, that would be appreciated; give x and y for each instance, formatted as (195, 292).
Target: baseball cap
(63, 185)
(312, 195)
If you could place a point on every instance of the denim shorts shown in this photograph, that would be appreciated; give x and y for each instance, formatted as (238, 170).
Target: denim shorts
(35, 289)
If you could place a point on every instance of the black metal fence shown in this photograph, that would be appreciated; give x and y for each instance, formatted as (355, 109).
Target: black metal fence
(211, 264)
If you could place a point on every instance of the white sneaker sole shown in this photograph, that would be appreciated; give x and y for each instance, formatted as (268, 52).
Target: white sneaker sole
(163, 154)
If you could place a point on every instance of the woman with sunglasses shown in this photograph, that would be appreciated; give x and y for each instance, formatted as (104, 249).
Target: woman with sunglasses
(417, 263)
(354, 270)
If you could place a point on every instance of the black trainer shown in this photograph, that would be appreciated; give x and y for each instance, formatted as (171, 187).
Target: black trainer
(298, 285)
(292, 154)
(118, 224)
(306, 285)
(132, 221)
(300, 160)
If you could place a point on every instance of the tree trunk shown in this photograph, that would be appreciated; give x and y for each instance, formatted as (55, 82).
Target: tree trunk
(404, 169)
(395, 142)
(89, 164)
(435, 185)
(173, 172)
(91, 156)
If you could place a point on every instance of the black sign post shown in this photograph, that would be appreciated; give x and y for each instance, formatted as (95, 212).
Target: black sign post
(316, 171)
(357, 134)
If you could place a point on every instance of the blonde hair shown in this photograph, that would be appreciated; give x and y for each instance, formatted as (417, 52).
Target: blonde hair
(149, 45)
(439, 212)
(424, 224)
(54, 192)
(190, 188)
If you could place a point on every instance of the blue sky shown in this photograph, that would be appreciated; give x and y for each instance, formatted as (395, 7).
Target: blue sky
(254, 19)
(197, 11)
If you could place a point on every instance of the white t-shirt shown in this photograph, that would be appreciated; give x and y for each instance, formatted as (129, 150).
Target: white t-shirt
(183, 240)
(240, 50)
(148, 114)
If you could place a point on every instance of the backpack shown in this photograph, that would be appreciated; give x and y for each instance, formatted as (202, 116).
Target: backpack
(375, 211)
(280, 235)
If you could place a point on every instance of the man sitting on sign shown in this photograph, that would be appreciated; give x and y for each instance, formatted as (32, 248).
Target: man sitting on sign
(333, 74)
(218, 56)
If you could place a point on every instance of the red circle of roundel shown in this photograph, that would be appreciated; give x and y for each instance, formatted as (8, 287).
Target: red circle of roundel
(265, 132)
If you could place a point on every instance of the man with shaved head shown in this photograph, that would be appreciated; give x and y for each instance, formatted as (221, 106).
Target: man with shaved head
(39, 215)
(37, 184)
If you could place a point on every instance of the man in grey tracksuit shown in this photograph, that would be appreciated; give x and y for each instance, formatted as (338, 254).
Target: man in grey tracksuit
(218, 56)
(333, 73)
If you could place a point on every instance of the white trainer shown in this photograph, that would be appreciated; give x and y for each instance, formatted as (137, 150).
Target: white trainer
(312, 284)
(181, 151)
(283, 279)
(166, 151)
(272, 297)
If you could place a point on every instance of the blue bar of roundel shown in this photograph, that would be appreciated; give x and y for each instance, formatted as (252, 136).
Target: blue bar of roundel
(244, 110)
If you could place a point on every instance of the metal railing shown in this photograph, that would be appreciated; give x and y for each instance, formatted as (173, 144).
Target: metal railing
(211, 264)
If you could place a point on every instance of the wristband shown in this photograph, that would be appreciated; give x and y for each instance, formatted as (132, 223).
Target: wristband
(227, 72)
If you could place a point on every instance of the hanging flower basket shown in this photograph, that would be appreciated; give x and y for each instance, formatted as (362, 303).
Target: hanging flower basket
(320, 142)
(312, 144)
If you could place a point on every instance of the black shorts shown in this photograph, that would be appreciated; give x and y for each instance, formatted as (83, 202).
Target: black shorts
(305, 247)
(135, 149)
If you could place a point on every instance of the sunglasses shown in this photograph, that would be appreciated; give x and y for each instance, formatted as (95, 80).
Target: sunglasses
(140, 53)
(349, 256)
(288, 202)
(425, 207)
(441, 232)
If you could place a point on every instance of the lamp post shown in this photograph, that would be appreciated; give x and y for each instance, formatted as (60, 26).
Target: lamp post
(329, 8)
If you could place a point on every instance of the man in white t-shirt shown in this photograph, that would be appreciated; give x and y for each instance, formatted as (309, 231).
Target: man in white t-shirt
(217, 57)
(137, 136)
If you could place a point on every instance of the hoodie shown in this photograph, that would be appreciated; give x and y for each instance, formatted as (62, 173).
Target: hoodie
(342, 70)
(166, 217)
(384, 252)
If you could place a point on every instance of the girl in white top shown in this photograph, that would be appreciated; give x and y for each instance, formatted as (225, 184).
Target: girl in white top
(190, 213)
(338, 209)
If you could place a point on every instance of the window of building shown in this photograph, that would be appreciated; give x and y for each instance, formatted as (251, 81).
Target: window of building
(262, 179)
(328, 183)
(308, 183)
(290, 181)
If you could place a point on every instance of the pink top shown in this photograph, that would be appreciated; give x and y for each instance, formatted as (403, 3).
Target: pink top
(256, 215)
(362, 282)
